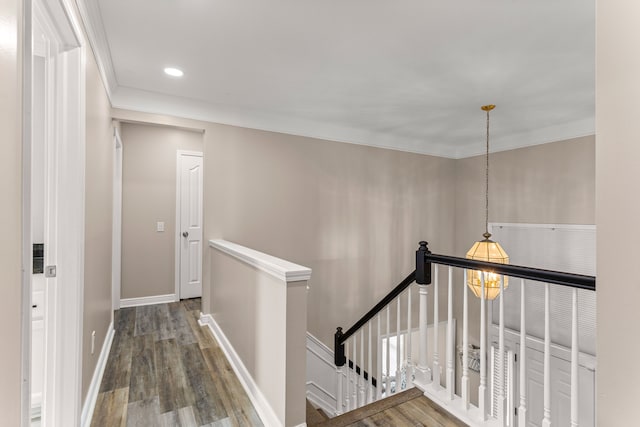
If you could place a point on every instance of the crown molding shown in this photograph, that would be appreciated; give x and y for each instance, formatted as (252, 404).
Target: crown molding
(186, 108)
(128, 98)
(561, 132)
(94, 28)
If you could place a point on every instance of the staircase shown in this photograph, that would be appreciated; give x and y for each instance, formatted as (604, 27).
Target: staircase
(383, 356)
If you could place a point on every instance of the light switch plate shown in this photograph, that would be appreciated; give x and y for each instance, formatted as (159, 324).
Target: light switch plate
(160, 226)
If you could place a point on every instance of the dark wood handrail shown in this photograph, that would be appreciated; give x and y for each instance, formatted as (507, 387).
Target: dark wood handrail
(422, 275)
(579, 281)
(378, 307)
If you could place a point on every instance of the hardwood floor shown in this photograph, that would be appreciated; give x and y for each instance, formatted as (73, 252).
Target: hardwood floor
(406, 409)
(166, 370)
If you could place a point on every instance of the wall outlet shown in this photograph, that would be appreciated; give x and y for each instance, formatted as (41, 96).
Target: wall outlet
(160, 226)
(93, 341)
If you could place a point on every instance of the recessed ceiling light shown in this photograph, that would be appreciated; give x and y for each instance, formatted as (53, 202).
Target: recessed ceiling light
(174, 72)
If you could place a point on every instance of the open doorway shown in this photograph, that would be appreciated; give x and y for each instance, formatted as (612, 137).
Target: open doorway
(53, 215)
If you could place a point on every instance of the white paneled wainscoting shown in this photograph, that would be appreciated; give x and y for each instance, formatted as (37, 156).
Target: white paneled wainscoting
(321, 369)
(477, 369)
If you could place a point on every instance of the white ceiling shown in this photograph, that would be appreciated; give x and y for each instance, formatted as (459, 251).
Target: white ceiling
(403, 74)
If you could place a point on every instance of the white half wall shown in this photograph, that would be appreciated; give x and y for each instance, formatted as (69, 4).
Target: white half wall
(259, 305)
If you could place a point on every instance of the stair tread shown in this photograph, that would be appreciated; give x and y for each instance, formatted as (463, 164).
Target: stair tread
(372, 409)
(324, 414)
(314, 416)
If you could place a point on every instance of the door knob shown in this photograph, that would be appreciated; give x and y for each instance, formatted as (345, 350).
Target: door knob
(185, 234)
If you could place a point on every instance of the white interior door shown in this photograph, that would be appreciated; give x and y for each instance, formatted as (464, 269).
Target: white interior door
(189, 223)
(39, 203)
(54, 162)
(44, 193)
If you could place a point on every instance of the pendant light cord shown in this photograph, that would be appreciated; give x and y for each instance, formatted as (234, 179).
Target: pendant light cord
(486, 218)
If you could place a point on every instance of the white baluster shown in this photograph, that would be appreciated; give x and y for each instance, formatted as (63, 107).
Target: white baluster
(409, 365)
(436, 323)
(482, 389)
(398, 360)
(465, 344)
(574, 360)
(354, 388)
(546, 420)
(423, 373)
(347, 400)
(450, 343)
(339, 395)
(501, 395)
(522, 409)
(379, 361)
(362, 398)
(510, 416)
(388, 384)
(370, 365)
(492, 367)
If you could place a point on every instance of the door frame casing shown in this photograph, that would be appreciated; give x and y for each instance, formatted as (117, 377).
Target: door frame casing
(116, 249)
(178, 235)
(63, 391)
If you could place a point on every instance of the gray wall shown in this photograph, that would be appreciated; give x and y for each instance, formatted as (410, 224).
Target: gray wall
(547, 184)
(98, 220)
(10, 214)
(353, 214)
(617, 210)
(149, 196)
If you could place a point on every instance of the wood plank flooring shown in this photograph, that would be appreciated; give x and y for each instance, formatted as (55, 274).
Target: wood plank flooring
(406, 409)
(166, 370)
(314, 416)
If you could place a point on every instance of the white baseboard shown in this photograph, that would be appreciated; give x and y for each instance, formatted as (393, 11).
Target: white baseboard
(155, 299)
(259, 401)
(321, 376)
(94, 387)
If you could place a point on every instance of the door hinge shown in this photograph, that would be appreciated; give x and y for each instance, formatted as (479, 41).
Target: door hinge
(516, 411)
(515, 357)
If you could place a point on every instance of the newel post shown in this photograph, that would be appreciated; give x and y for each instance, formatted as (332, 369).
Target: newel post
(338, 347)
(423, 268)
(423, 278)
(340, 360)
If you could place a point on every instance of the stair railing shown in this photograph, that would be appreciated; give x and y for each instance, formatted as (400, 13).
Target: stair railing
(370, 340)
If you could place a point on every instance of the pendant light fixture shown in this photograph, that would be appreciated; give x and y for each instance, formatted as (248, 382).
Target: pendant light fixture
(486, 249)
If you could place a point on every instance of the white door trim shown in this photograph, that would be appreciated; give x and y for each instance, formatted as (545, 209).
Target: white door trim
(62, 398)
(178, 236)
(116, 243)
(27, 249)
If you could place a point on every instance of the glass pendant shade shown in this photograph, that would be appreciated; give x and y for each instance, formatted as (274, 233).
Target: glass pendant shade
(486, 250)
